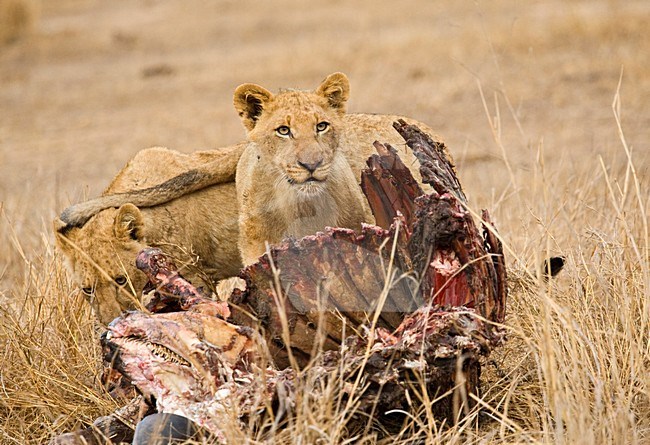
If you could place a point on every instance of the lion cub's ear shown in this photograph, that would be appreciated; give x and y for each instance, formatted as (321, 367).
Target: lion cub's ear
(64, 236)
(336, 89)
(128, 222)
(250, 100)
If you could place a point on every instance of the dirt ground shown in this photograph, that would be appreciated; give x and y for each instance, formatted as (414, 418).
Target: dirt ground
(98, 81)
(522, 93)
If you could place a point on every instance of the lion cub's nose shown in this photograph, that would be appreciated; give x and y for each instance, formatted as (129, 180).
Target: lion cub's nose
(310, 167)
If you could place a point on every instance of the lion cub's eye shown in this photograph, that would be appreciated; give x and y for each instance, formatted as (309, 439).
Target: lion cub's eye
(321, 127)
(283, 131)
(88, 291)
(120, 280)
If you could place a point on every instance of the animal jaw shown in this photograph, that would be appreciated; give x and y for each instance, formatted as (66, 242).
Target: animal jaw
(162, 351)
(158, 353)
(193, 364)
(154, 368)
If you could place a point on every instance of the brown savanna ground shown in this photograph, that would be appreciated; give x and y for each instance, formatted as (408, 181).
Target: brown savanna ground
(523, 94)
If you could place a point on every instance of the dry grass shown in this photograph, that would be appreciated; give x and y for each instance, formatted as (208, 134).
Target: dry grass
(523, 96)
(50, 357)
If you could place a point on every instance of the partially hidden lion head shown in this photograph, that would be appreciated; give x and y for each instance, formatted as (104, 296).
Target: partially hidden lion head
(297, 131)
(101, 257)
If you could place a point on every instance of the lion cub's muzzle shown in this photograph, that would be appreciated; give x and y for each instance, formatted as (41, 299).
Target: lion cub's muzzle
(302, 173)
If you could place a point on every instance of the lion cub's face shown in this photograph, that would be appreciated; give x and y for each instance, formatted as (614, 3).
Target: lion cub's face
(297, 132)
(101, 256)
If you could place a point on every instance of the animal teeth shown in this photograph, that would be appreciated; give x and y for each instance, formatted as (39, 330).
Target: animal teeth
(167, 354)
(156, 349)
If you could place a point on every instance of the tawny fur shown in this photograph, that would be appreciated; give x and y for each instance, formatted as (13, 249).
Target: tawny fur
(197, 229)
(275, 197)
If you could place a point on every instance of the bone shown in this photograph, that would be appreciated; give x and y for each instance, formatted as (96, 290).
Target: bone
(437, 320)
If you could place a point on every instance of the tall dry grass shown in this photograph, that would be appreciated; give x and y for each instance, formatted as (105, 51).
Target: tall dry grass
(574, 371)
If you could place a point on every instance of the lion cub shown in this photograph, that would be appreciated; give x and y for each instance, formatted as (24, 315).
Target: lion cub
(199, 227)
(301, 169)
(298, 172)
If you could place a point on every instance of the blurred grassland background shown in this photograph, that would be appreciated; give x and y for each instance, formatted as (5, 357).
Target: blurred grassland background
(525, 94)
